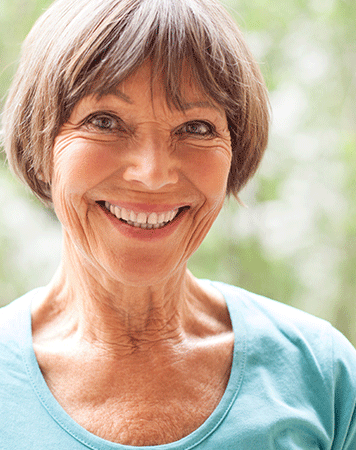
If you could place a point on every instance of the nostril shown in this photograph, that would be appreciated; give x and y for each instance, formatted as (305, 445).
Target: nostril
(153, 176)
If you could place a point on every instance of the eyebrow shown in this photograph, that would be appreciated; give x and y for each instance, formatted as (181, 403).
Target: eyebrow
(185, 106)
(117, 93)
(201, 104)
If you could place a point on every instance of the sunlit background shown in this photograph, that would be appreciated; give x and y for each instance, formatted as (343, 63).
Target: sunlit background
(296, 240)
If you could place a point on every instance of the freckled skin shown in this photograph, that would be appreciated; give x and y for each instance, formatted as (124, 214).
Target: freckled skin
(129, 304)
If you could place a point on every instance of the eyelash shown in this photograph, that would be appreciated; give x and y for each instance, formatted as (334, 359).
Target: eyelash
(116, 126)
(195, 124)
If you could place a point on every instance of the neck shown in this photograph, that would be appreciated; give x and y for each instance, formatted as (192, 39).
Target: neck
(107, 311)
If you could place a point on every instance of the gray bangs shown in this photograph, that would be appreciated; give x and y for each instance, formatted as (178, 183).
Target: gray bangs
(172, 35)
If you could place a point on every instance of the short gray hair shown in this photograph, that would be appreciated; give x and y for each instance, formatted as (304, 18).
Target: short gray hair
(82, 47)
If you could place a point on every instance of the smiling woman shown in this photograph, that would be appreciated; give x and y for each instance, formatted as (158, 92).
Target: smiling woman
(163, 172)
(133, 120)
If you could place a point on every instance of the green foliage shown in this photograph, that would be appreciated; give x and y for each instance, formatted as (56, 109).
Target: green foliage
(303, 248)
(16, 20)
(296, 241)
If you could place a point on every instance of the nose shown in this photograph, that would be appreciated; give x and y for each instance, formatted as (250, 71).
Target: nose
(152, 164)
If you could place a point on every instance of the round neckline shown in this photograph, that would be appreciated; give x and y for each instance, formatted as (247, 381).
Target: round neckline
(94, 442)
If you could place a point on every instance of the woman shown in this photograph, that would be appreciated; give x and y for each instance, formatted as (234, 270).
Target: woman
(134, 119)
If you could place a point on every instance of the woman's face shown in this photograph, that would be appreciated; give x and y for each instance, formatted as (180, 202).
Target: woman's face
(137, 185)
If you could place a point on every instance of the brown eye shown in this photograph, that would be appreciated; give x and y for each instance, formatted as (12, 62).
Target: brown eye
(104, 123)
(197, 128)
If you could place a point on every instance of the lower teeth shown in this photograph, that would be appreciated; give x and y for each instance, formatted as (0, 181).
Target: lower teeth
(145, 226)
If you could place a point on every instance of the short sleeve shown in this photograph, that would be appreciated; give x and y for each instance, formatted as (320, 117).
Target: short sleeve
(344, 374)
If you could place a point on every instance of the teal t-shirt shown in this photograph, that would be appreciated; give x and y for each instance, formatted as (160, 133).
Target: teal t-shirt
(292, 386)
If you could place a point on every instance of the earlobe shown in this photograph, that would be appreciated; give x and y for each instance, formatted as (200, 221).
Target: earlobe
(42, 178)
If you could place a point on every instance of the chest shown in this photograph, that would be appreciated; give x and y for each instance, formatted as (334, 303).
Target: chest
(148, 405)
(157, 413)
(143, 422)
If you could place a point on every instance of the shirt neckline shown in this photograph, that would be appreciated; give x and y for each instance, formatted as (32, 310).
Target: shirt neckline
(94, 442)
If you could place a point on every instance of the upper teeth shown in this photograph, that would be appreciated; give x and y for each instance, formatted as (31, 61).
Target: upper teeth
(142, 219)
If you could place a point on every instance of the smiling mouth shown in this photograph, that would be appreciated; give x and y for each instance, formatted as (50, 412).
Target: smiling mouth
(145, 221)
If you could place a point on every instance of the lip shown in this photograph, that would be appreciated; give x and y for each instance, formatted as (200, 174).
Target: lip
(147, 235)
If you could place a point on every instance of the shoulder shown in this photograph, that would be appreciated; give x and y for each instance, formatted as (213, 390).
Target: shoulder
(313, 361)
(266, 317)
(12, 314)
(15, 325)
(281, 331)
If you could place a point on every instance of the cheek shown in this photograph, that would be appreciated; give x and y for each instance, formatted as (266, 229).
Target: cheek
(81, 166)
(209, 171)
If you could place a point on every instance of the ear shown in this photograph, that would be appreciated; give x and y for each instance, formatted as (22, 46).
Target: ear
(42, 176)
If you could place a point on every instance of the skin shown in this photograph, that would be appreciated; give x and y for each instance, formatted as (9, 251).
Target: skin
(133, 347)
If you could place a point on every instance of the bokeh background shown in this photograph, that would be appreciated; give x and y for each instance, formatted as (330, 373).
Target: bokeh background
(296, 239)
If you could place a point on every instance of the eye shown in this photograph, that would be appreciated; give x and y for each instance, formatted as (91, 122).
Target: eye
(103, 122)
(197, 128)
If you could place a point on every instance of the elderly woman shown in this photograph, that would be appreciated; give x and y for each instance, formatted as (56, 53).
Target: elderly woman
(134, 119)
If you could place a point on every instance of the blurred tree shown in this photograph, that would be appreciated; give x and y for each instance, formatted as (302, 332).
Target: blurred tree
(16, 20)
(296, 241)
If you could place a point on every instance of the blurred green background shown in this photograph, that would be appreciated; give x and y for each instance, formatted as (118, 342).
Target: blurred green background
(296, 240)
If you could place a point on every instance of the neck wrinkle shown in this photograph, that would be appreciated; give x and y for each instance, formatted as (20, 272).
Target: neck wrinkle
(109, 314)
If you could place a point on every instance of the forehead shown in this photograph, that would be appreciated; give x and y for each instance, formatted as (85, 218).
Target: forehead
(152, 85)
